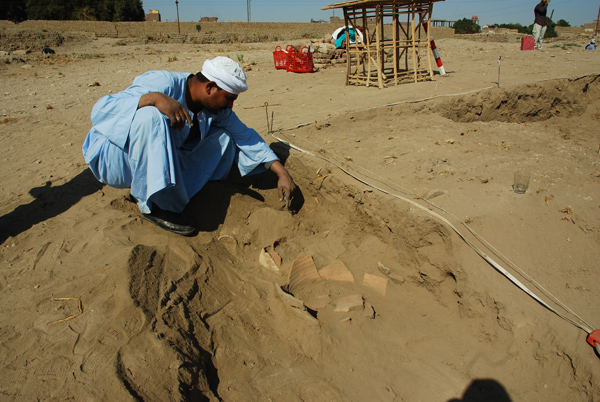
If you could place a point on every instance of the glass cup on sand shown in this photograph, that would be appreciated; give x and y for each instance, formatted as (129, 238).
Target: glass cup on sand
(521, 182)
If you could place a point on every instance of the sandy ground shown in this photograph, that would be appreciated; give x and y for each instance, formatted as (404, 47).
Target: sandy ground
(376, 298)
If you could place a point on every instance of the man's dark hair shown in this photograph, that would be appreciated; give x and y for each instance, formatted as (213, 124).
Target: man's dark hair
(202, 78)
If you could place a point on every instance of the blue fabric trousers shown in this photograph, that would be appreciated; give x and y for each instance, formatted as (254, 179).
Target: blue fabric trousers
(156, 167)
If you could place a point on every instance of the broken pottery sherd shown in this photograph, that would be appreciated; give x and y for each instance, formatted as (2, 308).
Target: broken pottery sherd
(336, 271)
(375, 283)
(303, 270)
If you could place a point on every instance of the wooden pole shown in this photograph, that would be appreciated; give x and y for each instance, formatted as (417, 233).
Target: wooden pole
(177, 6)
(428, 34)
(361, 20)
(414, 48)
(369, 58)
(596, 30)
(348, 56)
(406, 42)
(395, 40)
(499, 63)
(378, 34)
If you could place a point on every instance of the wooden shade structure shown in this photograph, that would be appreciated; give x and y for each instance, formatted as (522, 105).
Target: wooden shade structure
(403, 54)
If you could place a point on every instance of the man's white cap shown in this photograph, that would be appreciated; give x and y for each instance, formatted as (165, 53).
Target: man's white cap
(226, 73)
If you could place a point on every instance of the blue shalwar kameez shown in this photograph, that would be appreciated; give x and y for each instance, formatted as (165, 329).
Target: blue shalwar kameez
(136, 148)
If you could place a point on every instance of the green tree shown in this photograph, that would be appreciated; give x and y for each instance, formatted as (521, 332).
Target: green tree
(550, 31)
(48, 9)
(466, 26)
(13, 10)
(521, 28)
(128, 10)
(106, 10)
(100, 10)
(562, 23)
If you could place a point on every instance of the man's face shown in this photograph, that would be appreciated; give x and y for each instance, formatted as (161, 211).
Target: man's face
(219, 100)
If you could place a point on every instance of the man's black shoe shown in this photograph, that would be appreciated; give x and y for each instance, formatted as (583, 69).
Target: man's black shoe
(171, 221)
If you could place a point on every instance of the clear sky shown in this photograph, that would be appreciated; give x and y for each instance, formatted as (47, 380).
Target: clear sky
(576, 12)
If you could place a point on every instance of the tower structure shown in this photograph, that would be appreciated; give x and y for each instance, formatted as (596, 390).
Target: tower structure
(399, 51)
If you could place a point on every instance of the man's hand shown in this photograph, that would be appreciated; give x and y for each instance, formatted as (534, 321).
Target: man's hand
(167, 106)
(285, 185)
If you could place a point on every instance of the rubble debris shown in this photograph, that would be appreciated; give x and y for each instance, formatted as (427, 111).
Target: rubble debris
(348, 303)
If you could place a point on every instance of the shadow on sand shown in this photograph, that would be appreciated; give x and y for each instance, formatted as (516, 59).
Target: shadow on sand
(49, 202)
(208, 208)
(484, 390)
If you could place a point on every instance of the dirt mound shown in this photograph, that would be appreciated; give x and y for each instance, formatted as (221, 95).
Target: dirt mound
(29, 40)
(535, 102)
(35, 40)
(505, 37)
(363, 274)
(205, 299)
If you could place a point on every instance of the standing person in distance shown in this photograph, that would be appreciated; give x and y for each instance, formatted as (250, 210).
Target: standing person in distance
(540, 23)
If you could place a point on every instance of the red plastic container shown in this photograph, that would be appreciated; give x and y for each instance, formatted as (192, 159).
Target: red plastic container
(527, 43)
(280, 57)
(300, 62)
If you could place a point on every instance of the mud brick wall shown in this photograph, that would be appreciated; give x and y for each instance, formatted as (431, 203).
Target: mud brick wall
(272, 30)
(569, 31)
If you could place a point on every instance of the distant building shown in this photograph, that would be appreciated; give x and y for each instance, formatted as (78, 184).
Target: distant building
(209, 19)
(336, 20)
(492, 29)
(475, 19)
(590, 26)
(153, 16)
(442, 23)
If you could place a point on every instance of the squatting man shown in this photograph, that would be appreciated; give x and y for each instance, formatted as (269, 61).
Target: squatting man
(168, 134)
